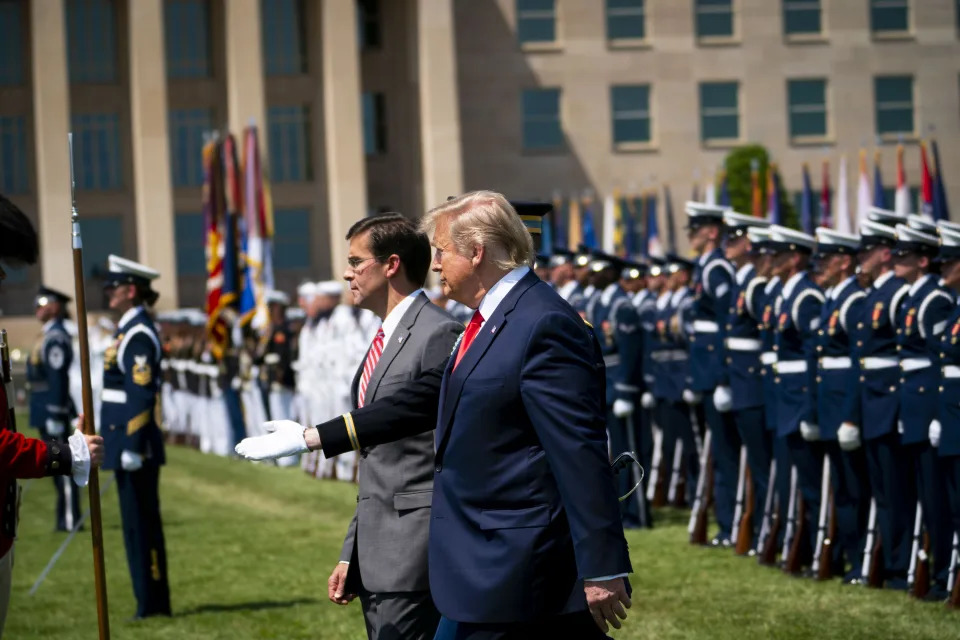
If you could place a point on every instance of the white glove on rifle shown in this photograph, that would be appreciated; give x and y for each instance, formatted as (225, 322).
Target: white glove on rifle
(55, 428)
(284, 438)
(80, 454)
(647, 400)
(622, 408)
(691, 397)
(810, 432)
(130, 460)
(723, 399)
(934, 433)
(848, 436)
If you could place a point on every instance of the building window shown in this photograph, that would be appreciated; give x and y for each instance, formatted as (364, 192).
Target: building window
(374, 124)
(714, 18)
(807, 100)
(96, 151)
(102, 236)
(626, 20)
(631, 114)
(92, 41)
(893, 96)
(189, 236)
(368, 24)
(284, 37)
(291, 239)
(187, 32)
(889, 16)
(536, 21)
(11, 42)
(801, 17)
(719, 111)
(187, 127)
(290, 137)
(14, 175)
(541, 119)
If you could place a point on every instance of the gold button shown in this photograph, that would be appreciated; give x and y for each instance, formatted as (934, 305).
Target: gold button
(902, 380)
(729, 360)
(750, 370)
(55, 449)
(729, 327)
(777, 380)
(763, 372)
(859, 343)
(776, 348)
(863, 379)
(820, 332)
(819, 379)
(819, 349)
(709, 347)
(941, 389)
(920, 389)
(893, 389)
(943, 355)
(55, 464)
(859, 325)
(899, 331)
(112, 427)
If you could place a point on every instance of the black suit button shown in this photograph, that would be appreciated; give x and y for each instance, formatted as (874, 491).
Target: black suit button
(438, 468)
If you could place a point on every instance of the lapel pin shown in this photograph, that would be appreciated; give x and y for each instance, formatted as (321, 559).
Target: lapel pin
(400, 340)
(493, 329)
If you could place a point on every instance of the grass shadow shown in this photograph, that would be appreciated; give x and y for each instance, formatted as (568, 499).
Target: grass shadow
(261, 605)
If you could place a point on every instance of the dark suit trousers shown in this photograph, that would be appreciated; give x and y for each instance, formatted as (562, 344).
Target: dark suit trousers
(851, 499)
(408, 615)
(578, 625)
(894, 489)
(754, 435)
(68, 502)
(143, 538)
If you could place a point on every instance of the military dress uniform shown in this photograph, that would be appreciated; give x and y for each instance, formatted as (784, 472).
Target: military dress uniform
(51, 407)
(131, 432)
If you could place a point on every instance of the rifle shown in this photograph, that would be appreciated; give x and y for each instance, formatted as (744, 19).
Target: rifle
(870, 570)
(701, 504)
(794, 559)
(953, 583)
(918, 576)
(677, 483)
(790, 531)
(655, 463)
(96, 528)
(770, 525)
(826, 523)
(745, 538)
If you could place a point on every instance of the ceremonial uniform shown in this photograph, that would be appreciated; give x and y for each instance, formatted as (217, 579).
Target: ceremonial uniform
(133, 443)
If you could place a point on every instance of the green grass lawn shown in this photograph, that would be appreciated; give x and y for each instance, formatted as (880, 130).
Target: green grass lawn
(250, 548)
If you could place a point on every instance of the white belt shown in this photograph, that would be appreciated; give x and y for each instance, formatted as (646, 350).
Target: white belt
(951, 371)
(705, 326)
(672, 355)
(114, 395)
(768, 357)
(841, 362)
(874, 362)
(611, 360)
(791, 366)
(912, 364)
(743, 344)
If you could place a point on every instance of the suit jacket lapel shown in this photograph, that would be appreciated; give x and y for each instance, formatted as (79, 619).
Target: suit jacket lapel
(397, 340)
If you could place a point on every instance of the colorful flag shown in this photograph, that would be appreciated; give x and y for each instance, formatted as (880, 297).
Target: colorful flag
(841, 208)
(879, 197)
(559, 222)
(901, 200)
(257, 239)
(653, 247)
(574, 225)
(546, 234)
(628, 206)
(941, 210)
(671, 224)
(724, 190)
(213, 213)
(806, 203)
(609, 243)
(863, 191)
(695, 194)
(589, 232)
(756, 192)
(925, 206)
(826, 220)
(774, 213)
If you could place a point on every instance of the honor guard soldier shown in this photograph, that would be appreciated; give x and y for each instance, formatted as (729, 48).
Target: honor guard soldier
(132, 439)
(541, 267)
(836, 377)
(741, 387)
(51, 408)
(562, 275)
(584, 277)
(645, 302)
(277, 367)
(712, 288)
(872, 418)
(921, 320)
(797, 310)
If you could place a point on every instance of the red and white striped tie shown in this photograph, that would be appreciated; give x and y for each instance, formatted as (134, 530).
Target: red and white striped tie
(373, 356)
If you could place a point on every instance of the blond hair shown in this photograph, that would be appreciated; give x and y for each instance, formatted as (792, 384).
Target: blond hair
(484, 218)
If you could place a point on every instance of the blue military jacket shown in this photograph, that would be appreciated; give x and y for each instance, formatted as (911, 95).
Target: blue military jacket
(131, 392)
(798, 320)
(948, 408)
(877, 359)
(836, 373)
(742, 339)
(669, 347)
(713, 286)
(617, 326)
(646, 305)
(48, 376)
(921, 320)
(768, 334)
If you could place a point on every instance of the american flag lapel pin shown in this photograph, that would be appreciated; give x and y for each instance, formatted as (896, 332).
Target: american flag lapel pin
(493, 329)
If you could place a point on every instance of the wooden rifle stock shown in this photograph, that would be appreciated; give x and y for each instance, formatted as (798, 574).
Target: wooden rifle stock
(825, 570)
(794, 561)
(699, 534)
(954, 600)
(768, 554)
(770, 524)
(921, 577)
(745, 533)
(875, 570)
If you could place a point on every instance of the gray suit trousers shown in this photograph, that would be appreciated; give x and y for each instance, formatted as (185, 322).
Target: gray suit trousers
(408, 615)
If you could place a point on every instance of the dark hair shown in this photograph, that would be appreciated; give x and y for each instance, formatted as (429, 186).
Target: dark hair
(392, 233)
(146, 295)
(18, 238)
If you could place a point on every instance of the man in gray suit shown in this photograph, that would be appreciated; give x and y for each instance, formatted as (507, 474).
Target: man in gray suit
(384, 556)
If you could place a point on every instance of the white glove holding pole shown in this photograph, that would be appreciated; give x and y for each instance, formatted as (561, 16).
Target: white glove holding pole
(130, 460)
(848, 436)
(809, 431)
(691, 397)
(647, 401)
(284, 438)
(622, 408)
(80, 454)
(934, 433)
(723, 399)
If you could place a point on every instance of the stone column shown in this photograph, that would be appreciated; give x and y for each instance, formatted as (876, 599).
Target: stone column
(153, 197)
(245, 93)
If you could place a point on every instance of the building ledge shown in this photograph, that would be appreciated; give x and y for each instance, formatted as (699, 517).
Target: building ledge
(722, 143)
(719, 41)
(812, 141)
(636, 147)
(542, 47)
(893, 36)
(620, 44)
(806, 38)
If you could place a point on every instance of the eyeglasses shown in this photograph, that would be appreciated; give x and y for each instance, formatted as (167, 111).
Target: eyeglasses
(353, 263)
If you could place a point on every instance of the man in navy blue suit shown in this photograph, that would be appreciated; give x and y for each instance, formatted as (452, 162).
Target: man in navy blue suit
(525, 536)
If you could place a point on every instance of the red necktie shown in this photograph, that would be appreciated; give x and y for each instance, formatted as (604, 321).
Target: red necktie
(372, 357)
(473, 328)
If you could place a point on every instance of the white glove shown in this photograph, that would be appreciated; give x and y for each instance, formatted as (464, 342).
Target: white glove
(80, 469)
(284, 438)
(934, 433)
(55, 428)
(810, 432)
(622, 408)
(647, 401)
(723, 398)
(236, 383)
(900, 428)
(130, 460)
(691, 397)
(848, 436)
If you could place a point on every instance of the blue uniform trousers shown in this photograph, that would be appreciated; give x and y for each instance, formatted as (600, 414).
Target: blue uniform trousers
(143, 538)
(807, 457)
(892, 484)
(674, 420)
(754, 435)
(238, 431)
(782, 483)
(726, 463)
(851, 501)
(951, 472)
(572, 625)
(930, 473)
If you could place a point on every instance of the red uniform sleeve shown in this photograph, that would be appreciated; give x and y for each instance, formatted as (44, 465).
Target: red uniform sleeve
(22, 457)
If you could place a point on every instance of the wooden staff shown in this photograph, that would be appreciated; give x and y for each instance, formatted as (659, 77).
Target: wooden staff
(99, 570)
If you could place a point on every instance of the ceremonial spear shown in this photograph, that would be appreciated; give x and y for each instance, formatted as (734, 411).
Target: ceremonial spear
(99, 571)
